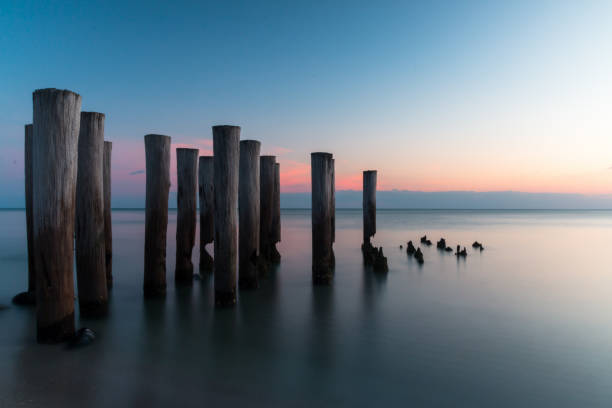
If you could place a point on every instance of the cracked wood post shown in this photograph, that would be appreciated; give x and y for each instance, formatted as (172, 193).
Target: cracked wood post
(266, 202)
(333, 208)
(55, 138)
(248, 210)
(207, 205)
(157, 149)
(186, 218)
(90, 252)
(108, 226)
(276, 221)
(226, 153)
(322, 255)
(369, 205)
(29, 132)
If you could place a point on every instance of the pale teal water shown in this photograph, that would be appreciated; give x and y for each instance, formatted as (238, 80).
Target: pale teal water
(526, 323)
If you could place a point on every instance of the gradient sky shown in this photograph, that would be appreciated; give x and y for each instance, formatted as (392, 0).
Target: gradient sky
(436, 95)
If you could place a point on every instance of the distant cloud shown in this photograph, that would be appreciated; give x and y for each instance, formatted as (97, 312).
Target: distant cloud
(136, 172)
(277, 150)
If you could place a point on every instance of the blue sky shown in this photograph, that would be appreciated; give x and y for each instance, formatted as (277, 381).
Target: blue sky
(436, 95)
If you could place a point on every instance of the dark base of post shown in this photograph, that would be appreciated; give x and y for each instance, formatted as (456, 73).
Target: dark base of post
(247, 284)
(184, 275)
(93, 309)
(323, 275)
(109, 275)
(206, 262)
(225, 299)
(57, 332)
(151, 291)
(275, 256)
(25, 299)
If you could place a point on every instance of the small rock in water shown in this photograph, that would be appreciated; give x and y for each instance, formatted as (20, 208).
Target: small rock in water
(424, 239)
(461, 252)
(418, 255)
(380, 262)
(449, 249)
(441, 244)
(401, 246)
(410, 249)
(25, 299)
(477, 245)
(83, 337)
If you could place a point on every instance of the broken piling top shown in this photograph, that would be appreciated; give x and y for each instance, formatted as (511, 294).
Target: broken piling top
(266, 193)
(249, 213)
(207, 205)
(226, 153)
(321, 167)
(157, 152)
(369, 204)
(186, 218)
(108, 226)
(56, 125)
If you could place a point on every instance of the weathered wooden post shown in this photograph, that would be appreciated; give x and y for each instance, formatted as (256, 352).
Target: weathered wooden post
(248, 207)
(54, 173)
(157, 148)
(226, 152)
(186, 170)
(369, 205)
(90, 252)
(29, 131)
(276, 220)
(266, 203)
(207, 205)
(108, 225)
(333, 209)
(322, 256)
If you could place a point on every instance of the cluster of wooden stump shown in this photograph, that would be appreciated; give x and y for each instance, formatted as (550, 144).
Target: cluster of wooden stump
(441, 245)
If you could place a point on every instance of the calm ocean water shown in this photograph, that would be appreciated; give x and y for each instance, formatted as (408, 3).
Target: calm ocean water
(525, 323)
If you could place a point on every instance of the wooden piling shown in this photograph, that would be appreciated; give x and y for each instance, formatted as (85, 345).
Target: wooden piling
(55, 139)
(207, 205)
(333, 200)
(226, 152)
(90, 252)
(276, 220)
(369, 205)
(248, 210)
(186, 170)
(322, 254)
(29, 132)
(266, 202)
(157, 149)
(108, 226)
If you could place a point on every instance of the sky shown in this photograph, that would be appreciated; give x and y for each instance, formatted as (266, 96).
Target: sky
(436, 95)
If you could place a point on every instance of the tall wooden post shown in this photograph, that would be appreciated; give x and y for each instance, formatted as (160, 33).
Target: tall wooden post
(369, 205)
(157, 149)
(207, 205)
(248, 207)
(29, 133)
(54, 172)
(322, 255)
(90, 252)
(108, 225)
(333, 209)
(276, 220)
(226, 152)
(266, 202)
(186, 170)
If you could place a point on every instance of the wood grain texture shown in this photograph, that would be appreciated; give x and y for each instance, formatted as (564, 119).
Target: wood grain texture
(186, 217)
(226, 152)
(266, 202)
(322, 254)
(276, 217)
(207, 206)
(29, 132)
(248, 211)
(369, 205)
(108, 223)
(90, 241)
(56, 124)
(157, 151)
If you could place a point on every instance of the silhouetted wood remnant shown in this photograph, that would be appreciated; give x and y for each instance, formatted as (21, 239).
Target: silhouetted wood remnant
(248, 207)
(226, 153)
(186, 217)
(108, 225)
(276, 217)
(90, 241)
(333, 209)
(371, 255)
(157, 149)
(207, 205)
(55, 138)
(322, 254)
(266, 202)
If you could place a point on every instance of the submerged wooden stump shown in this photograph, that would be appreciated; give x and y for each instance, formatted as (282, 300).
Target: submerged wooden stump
(322, 254)
(29, 133)
(266, 202)
(226, 152)
(248, 208)
(157, 149)
(54, 156)
(90, 240)
(207, 205)
(108, 225)
(186, 170)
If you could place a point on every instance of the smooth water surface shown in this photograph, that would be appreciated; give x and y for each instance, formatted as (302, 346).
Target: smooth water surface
(527, 322)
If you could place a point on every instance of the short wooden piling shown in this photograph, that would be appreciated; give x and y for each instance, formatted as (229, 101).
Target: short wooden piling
(248, 210)
(29, 132)
(90, 252)
(276, 220)
(157, 149)
(226, 152)
(322, 255)
(55, 139)
(266, 202)
(108, 225)
(369, 205)
(207, 205)
(187, 180)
